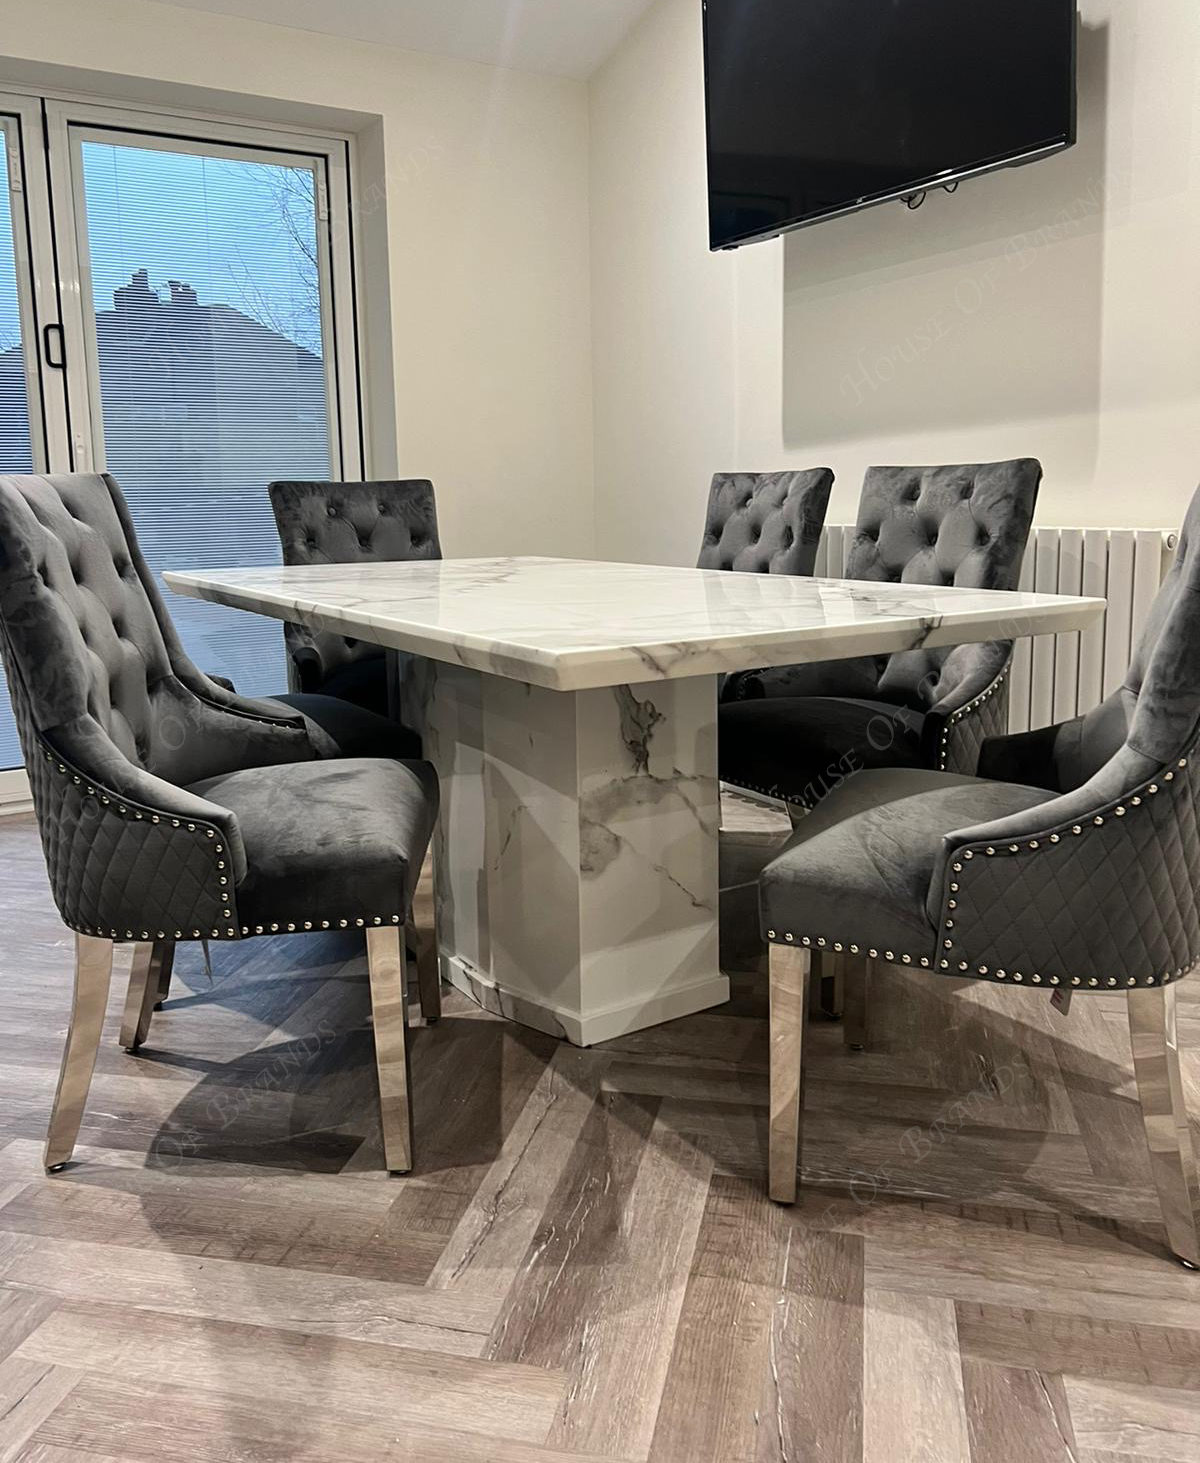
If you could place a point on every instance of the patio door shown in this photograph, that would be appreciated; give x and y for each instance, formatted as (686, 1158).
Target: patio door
(198, 337)
(33, 421)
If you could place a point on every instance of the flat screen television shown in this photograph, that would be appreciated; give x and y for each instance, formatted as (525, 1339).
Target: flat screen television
(817, 108)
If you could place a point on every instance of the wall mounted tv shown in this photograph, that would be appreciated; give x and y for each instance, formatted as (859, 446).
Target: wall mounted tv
(820, 107)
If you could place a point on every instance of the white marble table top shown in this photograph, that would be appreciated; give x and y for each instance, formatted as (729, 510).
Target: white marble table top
(572, 625)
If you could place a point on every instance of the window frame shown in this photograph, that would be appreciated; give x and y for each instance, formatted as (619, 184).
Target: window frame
(68, 435)
(37, 280)
(37, 306)
(70, 123)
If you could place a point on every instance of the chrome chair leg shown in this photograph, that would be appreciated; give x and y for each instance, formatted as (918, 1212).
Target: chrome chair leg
(389, 1006)
(826, 990)
(429, 976)
(856, 992)
(166, 971)
(1164, 1113)
(789, 982)
(93, 975)
(149, 978)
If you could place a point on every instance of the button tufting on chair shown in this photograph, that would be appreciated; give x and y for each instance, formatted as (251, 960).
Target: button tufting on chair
(169, 808)
(941, 703)
(765, 522)
(351, 523)
(1072, 861)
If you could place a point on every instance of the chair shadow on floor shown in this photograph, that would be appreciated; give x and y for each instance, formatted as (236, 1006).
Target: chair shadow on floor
(956, 1105)
(1039, 1131)
(304, 1095)
(997, 1110)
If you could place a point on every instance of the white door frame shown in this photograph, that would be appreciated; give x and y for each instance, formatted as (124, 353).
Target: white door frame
(70, 123)
(37, 303)
(37, 281)
(54, 286)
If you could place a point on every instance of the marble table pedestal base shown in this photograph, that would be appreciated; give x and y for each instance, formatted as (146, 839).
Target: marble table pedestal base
(576, 856)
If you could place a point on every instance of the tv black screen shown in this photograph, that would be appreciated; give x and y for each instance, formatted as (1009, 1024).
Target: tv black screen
(820, 107)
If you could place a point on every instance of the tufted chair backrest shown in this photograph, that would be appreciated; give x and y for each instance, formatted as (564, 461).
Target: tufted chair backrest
(356, 523)
(349, 523)
(765, 522)
(965, 525)
(91, 655)
(77, 612)
(1156, 709)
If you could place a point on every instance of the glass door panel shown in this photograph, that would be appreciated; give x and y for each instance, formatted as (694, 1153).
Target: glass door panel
(204, 275)
(21, 439)
(16, 434)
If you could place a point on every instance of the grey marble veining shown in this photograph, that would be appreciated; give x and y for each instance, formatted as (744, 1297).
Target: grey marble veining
(575, 857)
(574, 625)
(570, 709)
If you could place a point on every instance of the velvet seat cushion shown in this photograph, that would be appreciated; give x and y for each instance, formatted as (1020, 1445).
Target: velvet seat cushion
(353, 731)
(858, 868)
(801, 747)
(328, 841)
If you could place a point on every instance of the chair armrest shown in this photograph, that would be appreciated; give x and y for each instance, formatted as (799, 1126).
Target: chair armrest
(854, 678)
(1090, 888)
(219, 692)
(132, 857)
(971, 707)
(306, 670)
(1026, 757)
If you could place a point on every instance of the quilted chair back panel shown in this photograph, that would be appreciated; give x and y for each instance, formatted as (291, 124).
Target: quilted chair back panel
(765, 523)
(1156, 710)
(81, 618)
(90, 651)
(352, 523)
(965, 525)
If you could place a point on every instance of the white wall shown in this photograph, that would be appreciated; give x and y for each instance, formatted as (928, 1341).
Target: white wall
(1050, 311)
(487, 205)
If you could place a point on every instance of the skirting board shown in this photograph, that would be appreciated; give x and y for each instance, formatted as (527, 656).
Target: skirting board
(14, 793)
(597, 1026)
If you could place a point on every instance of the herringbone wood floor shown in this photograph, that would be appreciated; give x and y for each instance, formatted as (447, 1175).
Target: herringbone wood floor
(584, 1265)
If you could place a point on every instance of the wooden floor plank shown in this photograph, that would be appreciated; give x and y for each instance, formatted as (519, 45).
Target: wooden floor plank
(229, 1290)
(725, 1337)
(1015, 1415)
(1145, 1422)
(157, 1423)
(29, 1393)
(491, 1238)
(583, 1264)
(815, 1379)
(602, 1284)
(21, 1312)
(913, 1403)
(408, 1386)
(1121, 1351)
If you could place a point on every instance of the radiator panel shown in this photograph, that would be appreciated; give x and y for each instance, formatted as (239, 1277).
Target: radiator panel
(1056, 677)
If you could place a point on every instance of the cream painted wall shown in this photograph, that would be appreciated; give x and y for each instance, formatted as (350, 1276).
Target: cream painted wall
(1052, 310)
(487, 204)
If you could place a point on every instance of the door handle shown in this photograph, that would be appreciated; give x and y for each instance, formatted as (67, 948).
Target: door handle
(54, 333)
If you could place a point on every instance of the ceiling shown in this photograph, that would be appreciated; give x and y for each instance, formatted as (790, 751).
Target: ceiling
(564, 37)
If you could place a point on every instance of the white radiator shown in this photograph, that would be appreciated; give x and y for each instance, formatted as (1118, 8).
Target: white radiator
(1059, 676)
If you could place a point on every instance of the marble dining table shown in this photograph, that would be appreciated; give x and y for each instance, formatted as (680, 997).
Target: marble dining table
(570, 709)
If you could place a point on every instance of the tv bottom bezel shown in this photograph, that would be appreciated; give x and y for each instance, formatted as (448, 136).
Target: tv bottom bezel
(908, 190)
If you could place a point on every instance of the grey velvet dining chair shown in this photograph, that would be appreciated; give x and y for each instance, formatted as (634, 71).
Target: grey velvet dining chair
(391, 521)
(793, 731)
(765, 522)
(172, 810)
(1072, 863)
